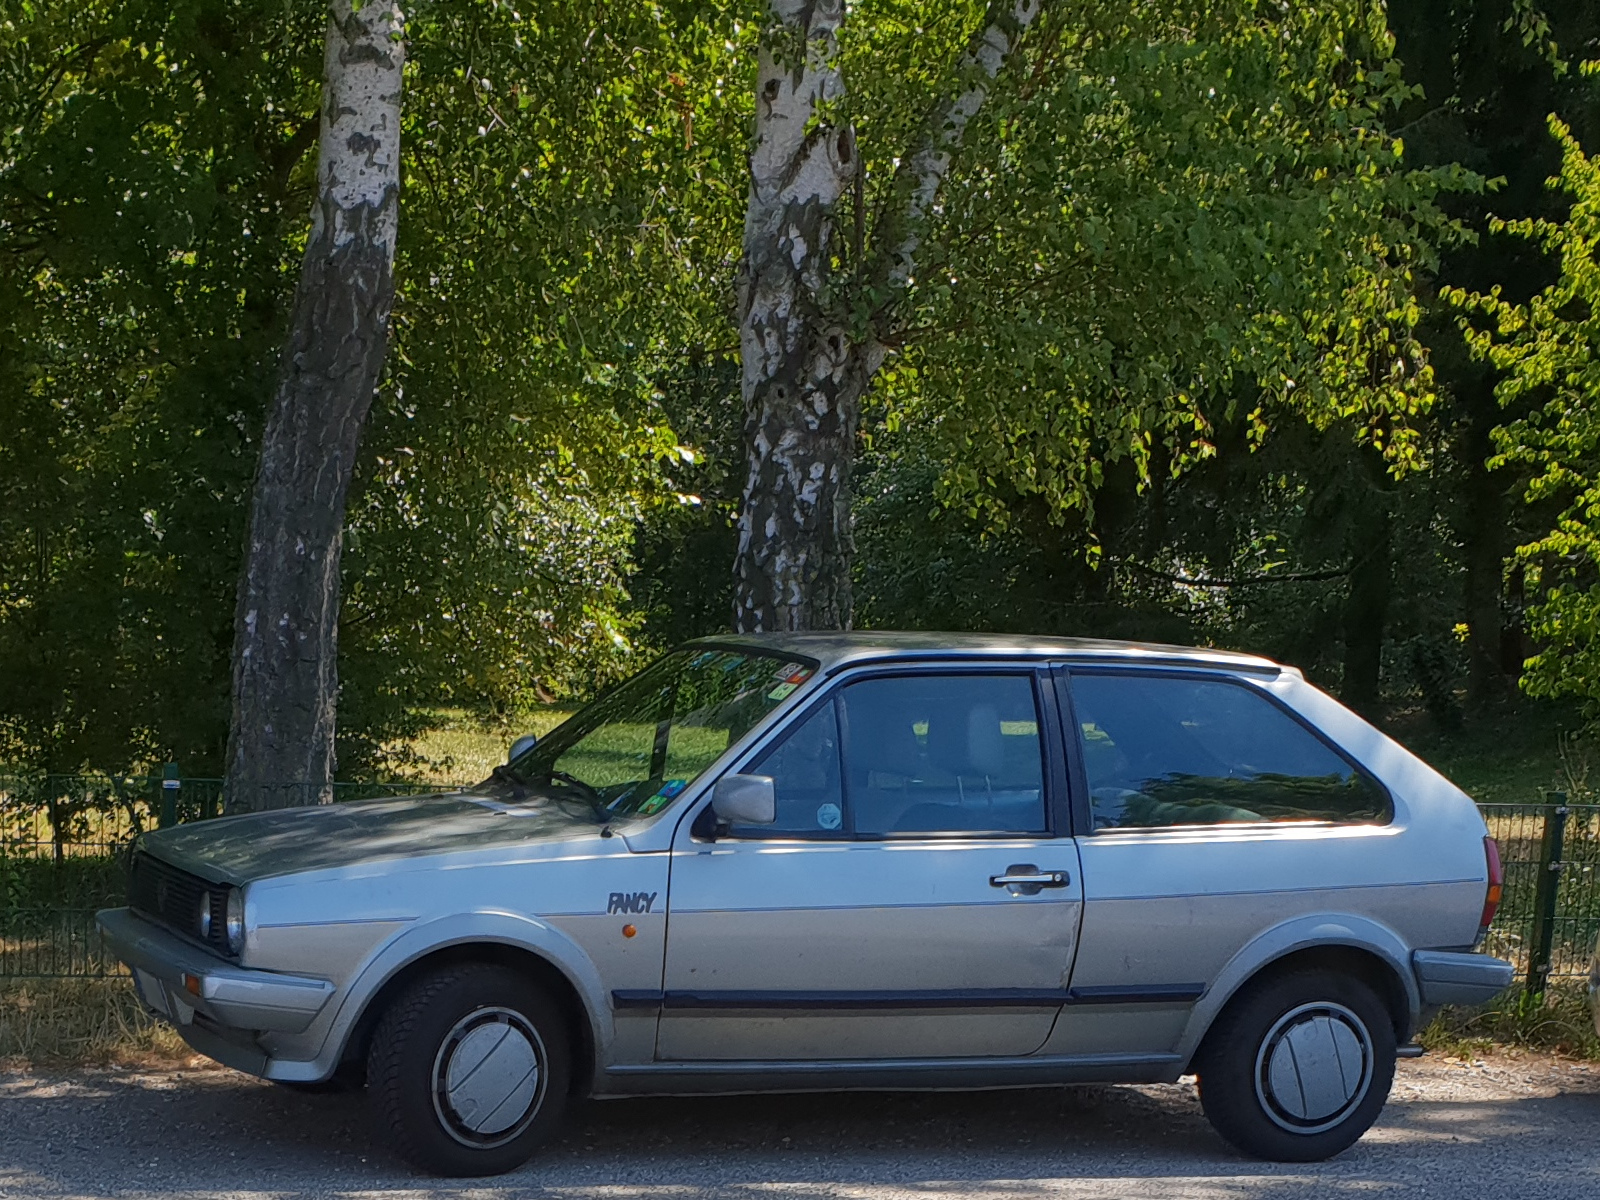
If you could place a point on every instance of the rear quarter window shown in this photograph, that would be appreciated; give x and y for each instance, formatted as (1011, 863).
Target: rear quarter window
(1167, 750)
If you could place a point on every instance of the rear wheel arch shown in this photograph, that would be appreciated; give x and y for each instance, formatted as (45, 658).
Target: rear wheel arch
(1360, 962)
(1299, 1064)
(543, 972)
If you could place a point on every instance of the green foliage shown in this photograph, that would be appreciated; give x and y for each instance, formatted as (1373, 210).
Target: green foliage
(1172, 281)
(1549, 349)
(145, 193)
(563, 208)
(1169, 211)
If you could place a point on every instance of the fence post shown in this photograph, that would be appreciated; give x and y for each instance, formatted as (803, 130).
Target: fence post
(1546, 888)
(170, 783)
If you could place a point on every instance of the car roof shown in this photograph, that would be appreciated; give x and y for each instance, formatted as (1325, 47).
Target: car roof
(837, 650)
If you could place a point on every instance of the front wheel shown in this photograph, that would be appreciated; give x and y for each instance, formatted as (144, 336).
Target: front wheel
(1297, 1069)
(469, 1070)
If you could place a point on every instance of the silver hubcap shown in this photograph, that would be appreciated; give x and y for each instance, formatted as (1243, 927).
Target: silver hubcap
(1314, 1067)
(488, 1080)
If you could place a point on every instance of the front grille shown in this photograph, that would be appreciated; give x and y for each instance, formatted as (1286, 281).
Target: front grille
(175, 898)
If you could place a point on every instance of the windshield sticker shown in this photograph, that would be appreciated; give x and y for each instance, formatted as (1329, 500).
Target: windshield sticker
(782, 690)
(662, 798)
(829, 816)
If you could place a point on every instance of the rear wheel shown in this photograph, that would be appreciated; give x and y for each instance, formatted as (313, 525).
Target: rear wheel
(1298, 1068)
(469, 1070)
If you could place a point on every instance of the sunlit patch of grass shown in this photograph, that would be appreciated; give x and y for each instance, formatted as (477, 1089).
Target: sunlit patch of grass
(463, 748)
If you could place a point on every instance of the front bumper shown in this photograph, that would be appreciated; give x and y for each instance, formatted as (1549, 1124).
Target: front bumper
(179, 979)
(1448, 977)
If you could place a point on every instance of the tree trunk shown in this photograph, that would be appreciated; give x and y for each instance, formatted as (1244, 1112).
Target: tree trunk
(803, 377)
(804, 374)
(1482, 530)
(1366, 607)
(285, 668)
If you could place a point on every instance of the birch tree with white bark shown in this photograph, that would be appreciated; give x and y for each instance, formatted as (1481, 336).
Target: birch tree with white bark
(808, 356)
(285, 656)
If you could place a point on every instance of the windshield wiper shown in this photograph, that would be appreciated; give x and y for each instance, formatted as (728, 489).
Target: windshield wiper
(590, 794)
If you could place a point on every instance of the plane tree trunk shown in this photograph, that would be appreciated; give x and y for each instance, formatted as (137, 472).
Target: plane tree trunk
(285, 669)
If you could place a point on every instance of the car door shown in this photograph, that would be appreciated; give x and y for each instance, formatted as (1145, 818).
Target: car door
(913, 898)
(1209, 812)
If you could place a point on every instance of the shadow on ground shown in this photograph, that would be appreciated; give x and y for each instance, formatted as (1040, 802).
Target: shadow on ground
(214, 1133)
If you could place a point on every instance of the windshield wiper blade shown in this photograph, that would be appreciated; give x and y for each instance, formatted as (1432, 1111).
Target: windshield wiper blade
(590, 795)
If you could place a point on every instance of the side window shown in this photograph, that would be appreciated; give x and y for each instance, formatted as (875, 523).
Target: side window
(943, 754)
(1167, 750)
(805, 774)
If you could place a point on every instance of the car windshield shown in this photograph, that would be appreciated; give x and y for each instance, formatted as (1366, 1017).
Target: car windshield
(638, 746)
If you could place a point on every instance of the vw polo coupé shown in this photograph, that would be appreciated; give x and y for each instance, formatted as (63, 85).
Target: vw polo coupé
(786, 862)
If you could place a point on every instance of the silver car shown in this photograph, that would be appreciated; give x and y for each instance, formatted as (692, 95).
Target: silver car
(794, 862)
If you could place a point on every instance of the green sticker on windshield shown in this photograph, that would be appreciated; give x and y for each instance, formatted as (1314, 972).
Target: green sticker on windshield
(782, 690)
(656, 803)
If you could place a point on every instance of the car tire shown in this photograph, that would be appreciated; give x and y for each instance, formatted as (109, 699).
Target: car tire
(469, 1070)
(1297, 1068)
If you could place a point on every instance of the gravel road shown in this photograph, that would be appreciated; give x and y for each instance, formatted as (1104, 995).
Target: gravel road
(1513, 1127)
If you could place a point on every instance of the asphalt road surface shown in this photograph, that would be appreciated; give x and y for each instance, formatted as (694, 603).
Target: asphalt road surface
(1516, 1127)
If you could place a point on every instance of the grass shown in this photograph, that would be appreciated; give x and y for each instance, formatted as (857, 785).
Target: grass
(1558, 1022)
(80, 1022)
(464, 748)
(1510, 755)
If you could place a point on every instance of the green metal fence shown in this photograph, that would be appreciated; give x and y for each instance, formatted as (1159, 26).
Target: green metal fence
(64, 838)
(1550, 917)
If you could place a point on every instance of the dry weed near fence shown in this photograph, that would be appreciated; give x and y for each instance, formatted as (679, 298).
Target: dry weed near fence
(82, 1020)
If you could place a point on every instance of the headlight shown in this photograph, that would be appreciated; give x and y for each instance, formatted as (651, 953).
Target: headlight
(205, 915)
(235, 928)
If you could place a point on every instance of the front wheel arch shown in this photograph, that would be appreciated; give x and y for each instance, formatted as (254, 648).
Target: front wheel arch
(538, 969)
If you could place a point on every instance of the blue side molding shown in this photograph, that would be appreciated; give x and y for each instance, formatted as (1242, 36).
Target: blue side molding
(1182, 993)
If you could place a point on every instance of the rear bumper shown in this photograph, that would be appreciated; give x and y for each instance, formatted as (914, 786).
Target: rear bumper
(1447, 977)
(179, 980)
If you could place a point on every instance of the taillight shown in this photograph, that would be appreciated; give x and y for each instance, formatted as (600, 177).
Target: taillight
(1497, 882)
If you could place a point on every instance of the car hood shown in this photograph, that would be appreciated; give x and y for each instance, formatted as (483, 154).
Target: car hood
(287, 841)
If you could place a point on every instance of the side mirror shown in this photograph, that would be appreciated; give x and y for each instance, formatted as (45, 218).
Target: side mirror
(745, 800)
(521, 746)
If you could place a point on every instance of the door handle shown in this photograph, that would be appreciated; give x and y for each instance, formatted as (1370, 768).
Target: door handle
(1025, 879)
